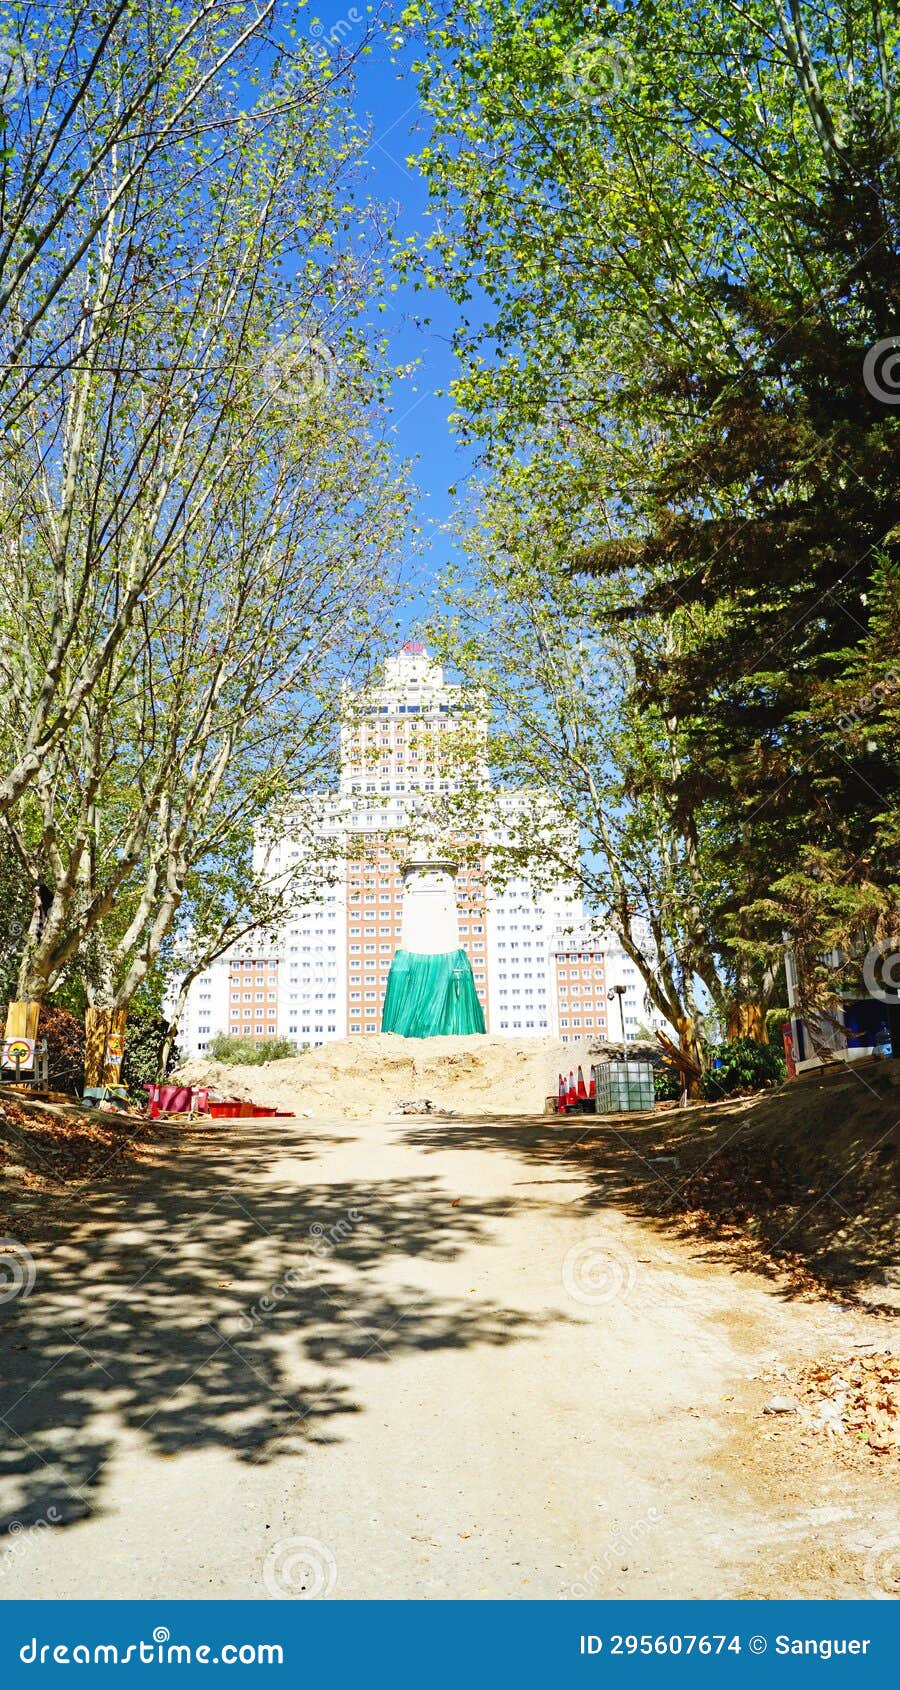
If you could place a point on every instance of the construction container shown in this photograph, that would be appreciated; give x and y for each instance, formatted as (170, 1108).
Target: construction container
(175, 1100)
(623, 1086)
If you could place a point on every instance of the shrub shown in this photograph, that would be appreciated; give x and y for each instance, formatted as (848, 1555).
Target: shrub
(228, 1048)
(65, 1047)
(744, 1066)
(667, 1083)
(145, 1032)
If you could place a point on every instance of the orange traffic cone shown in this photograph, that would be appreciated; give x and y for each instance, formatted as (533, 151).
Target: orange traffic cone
(572, 1094)
(582, 1088)
(561, 1097)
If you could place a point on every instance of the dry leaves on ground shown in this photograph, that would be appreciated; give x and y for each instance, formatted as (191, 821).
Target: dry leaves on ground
(853, 1402)
(50, 1149)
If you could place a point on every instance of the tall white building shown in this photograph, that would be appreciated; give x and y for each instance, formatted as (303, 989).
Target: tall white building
(324, 977)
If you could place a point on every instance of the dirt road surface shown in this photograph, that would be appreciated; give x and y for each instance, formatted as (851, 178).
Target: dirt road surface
(411, 1358)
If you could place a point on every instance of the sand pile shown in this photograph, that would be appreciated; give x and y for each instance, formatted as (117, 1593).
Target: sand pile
(473, 1075)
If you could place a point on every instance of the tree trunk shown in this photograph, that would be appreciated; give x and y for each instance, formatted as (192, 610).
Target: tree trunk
(33, 983)
(167, 1045)
(104, 1046)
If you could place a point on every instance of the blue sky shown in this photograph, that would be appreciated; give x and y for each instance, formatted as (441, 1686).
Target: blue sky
(387, 100)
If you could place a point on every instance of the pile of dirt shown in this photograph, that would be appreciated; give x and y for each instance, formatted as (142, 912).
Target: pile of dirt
(477, 1074)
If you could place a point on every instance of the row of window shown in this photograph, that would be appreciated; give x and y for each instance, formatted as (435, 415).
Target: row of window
(575, 1021)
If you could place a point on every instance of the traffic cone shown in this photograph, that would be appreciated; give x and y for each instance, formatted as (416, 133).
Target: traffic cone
(592, 1089)
(572, 1094)
(561, 1097)
(582, 1088)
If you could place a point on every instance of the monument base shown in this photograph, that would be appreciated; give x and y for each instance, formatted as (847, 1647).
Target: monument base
(431, 995)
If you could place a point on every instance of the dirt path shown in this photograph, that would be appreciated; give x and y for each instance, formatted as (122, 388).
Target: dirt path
(409, 1359)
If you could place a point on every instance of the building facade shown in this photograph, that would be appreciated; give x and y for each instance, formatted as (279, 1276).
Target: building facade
(325, 976)
(587, 966)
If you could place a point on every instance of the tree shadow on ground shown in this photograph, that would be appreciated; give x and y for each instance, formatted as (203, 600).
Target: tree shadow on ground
(198, 1305)
(799, 1186)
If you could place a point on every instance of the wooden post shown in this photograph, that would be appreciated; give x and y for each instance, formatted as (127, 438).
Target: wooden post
(104, 1046)
(680, 1056)
(687, 1042)
(747, 1021)
(22, 1016)
(22, 1019)
(115, 1047)
(96, 1031)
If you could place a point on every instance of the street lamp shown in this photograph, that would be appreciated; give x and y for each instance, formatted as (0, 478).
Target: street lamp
(619, 992)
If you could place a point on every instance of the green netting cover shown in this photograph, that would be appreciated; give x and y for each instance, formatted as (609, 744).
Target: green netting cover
(431, 994)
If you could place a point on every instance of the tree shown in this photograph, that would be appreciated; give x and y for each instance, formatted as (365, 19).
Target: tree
(208, 500)
(116, 117)
(685, 221)
(596, 773)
